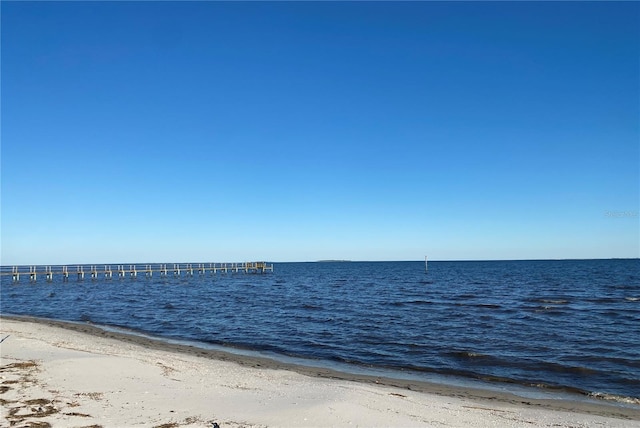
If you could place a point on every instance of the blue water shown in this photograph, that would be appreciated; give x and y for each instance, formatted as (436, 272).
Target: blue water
(571, 324)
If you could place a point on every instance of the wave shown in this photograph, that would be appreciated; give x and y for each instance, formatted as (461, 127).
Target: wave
(618, 361)
(489, 306)
(549, 301)
(410, 302)
(311, 307)
(562, 368)
(547, 309)
(524, 365)
(468, 354)
(494, 378)
(613, 397)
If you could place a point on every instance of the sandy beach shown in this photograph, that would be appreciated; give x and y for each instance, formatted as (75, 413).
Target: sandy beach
(77, 375)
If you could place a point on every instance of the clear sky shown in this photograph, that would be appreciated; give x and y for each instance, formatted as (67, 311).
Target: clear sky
(294, 131)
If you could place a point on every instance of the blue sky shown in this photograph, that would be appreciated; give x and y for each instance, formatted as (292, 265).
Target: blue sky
(293, 131)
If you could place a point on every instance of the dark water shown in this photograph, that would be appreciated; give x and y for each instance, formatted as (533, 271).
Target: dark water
(572, 325)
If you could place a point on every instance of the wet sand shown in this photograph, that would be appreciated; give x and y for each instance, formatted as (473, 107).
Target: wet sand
(56, 373)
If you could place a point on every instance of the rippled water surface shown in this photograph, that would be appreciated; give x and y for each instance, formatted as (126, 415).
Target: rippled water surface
(570, 324)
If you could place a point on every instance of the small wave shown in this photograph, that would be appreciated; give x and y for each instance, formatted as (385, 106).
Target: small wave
(613, 397)
(467, 354)
(489, 306)
(321, 345)
(397, 303)
(547, 309)
(410, 302)
(562, 368)
(419, 302)
(558, 388)
(624, 286)
(632, 299)
(312, 307)
(622, 361)
(466, 296)
(553, 301)
(550, 300)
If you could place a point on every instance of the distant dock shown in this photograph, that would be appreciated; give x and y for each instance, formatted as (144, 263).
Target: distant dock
(121, 271)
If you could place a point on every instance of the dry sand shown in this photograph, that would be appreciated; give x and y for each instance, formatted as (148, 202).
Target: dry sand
(76, 375)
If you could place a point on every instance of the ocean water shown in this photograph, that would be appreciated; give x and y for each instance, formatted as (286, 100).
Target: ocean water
(570, 325)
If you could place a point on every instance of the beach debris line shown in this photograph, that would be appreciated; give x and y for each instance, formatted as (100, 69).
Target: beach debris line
(132, 270)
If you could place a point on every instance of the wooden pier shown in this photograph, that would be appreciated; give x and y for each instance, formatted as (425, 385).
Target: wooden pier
(131, 270)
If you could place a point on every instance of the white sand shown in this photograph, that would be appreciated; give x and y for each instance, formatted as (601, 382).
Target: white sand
(68, 378)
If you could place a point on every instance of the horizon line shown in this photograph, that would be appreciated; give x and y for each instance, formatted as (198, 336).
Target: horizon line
(324, 261)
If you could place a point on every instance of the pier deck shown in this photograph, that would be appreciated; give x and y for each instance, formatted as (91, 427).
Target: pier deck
(130, 270)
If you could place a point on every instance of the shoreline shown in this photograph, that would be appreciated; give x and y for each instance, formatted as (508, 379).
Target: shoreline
(79, 337)
(475, 388)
